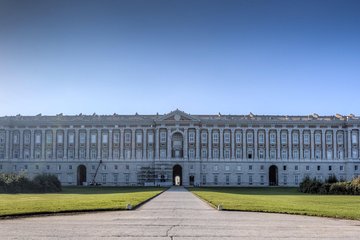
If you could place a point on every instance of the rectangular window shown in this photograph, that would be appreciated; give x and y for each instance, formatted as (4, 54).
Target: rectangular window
(238, 179)
(215, 179)
(150, 138)
(340, 139)
(296, 168)
(227, 179)
(204, 137)
(249, 138)
(295, 138)
(296, 179)
(250, 179)
(215, 153)
(329, 139)
(355, 153)
(105, 138)
(93, 138)
(307, 154)
(317, 138)
(71, 138)
(354, 138)
(261, 154)
(261, 180)
(296, 154)
(60, 138)
(307, 168)
(127, 137)
(204, 153)
(116, 138)
(227, 168)
(37, 139)
(261, 138)
(191, 153)
(163, 137)
(272, 154)
(227, 153)
(82, 138)
(204, 179)
(2, 137)
(250, 167)
(284, 138)
(215, 137)
(284, 154)
(306, 139)
(272, 138)
(238, 137)
(317, 154)
(191, 137)
(238, 153)
(138, 138)
(49, 138)
(227, 137)
(329, 154)
(285, 179)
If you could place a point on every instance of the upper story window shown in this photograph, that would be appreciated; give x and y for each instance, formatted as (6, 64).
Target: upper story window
(16, 138)
(295, 138)
(272, 138)
(93, 138)
(105, 138)
(261, 138)
(249, 138)
(215, 137)
(82, 138)
(306, 138)
(116, 138)
(295, 154)
(272, 154)
(318, 138)
(283, 138)
(138, 138)
(71, 138)
(150, 137)
(48, 138)
(127, 137)
(340, 138)
(238, 137)
(163, 137)
(204, 137)
(27, 138)
(226, 137)
(328, 138)
(2, 137)
(191, 137)
(354, 138)
(37, 138)
(60, 138)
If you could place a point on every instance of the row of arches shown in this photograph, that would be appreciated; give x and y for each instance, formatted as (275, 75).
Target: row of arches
(178, 176)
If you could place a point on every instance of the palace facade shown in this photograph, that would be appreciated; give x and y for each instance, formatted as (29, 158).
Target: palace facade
(179, 148)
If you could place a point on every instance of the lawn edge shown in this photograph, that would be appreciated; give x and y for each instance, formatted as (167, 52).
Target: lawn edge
(74, 212)
(265, 211)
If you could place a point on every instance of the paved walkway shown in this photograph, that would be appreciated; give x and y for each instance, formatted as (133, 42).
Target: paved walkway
(178, 214)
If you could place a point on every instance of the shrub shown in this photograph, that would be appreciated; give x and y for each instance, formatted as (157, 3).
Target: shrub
(325, 188)
(331, 179)
(310, 185)
(47, 183)
(340, 188)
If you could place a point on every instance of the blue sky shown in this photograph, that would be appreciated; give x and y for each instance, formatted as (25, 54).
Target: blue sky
(203, 57)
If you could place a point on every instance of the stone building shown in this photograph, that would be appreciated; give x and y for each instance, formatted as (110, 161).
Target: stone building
(179, 148)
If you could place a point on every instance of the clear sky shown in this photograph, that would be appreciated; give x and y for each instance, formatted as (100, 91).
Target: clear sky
(262, 56)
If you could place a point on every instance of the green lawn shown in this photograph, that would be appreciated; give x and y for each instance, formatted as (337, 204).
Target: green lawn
(282, 200)
(75, 199)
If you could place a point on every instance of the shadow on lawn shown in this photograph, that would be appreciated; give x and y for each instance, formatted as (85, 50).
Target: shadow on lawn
(107, 190)
(250, 190)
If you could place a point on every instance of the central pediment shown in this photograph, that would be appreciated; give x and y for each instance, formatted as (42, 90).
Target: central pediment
(178, 116)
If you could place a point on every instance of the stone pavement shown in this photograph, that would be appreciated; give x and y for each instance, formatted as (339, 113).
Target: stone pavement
(178, 214)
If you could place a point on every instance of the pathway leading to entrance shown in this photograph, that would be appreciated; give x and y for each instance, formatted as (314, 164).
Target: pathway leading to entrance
(178, 214)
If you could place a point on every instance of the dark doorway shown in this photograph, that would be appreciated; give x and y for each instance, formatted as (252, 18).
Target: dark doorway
(177, 175)
(273, 175)
(81, 174)
(191, 180)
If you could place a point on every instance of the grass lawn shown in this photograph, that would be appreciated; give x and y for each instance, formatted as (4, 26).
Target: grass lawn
(75, 199)
(282, 200)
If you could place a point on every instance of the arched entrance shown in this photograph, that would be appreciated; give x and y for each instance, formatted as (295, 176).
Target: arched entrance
(81, 175)
(273, 175)
(177, 145)
(177, 175)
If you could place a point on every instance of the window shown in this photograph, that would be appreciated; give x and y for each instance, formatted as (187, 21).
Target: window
(249, 154)
(127, 167)
(285, 179)
(355, 153)
(306, 139)
(329, 138)
(215, 137)
(115, 176)
(93, 138)
(26, 153)
(150, 153)
(250, 167)
(341, 154)
(204, 179)
(105, 138)
(71, 138)
(250, 179)
(307, 168)
(215, 153)
(48, 153)
(104, 178)
(354, 138)
(37, 153)
(272, 138)
(318, 167)
(116, 154)
(71, 153)
(227, 137)
(82, 138)
(307, 154)
(59, 153)
(295, 138)
(227, 168)
(238, 153)
(59, 167)
(317, 154)
(93, 153)
(191, 153)
(284, 167)
(215, 179)
(60, 138)
(340, 138)
(191, 137)
(70, 167)
(27, 138)
(116, 137)
(296, 154)
(296, 179)
(227, 153)
(284, 138)
(317, 138)
(330, 168)
(227, 179)
(163, 137)
(138, 138)
(249, 138)
(239, 179)
(2, 137)
(261, 154)
(261, 138)
(49, 138)
(356, 167)
(204, 137)
(104, 153)
(296, 168)
(204, 153)
(82, 153)
(16, 138)
(127, 178)
(284, 154)
(238, 137)
(238, 168)
(272, 154)
(329, 154)
(216, 168)
(128, 153)
(261, 167)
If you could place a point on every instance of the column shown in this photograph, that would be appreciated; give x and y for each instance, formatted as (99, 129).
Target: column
(122, 137)
(53, 144)
(99, 143)
(278, 136)
(301, 147)
(186, 143)
(221, 138)
(312, 145)
(323, 144)
(349, 143)
(65, 143)
(21, 141)
(209, 143)
(32, 145)
(133, 143)
(197, 143)
(334, 145)
(243, 141)
(88, 143)
(267, 148)
(43, 140)
(255, 143)
(232, 142)
(144, 144)
(7, 144)
(76, 143)
(11, 144)
(290, 144)
(157, 147)
(168, 144)
(110, 142)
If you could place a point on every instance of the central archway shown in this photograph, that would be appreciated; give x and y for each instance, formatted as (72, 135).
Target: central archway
(81, 175)
(273, 175)
(177, 175)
